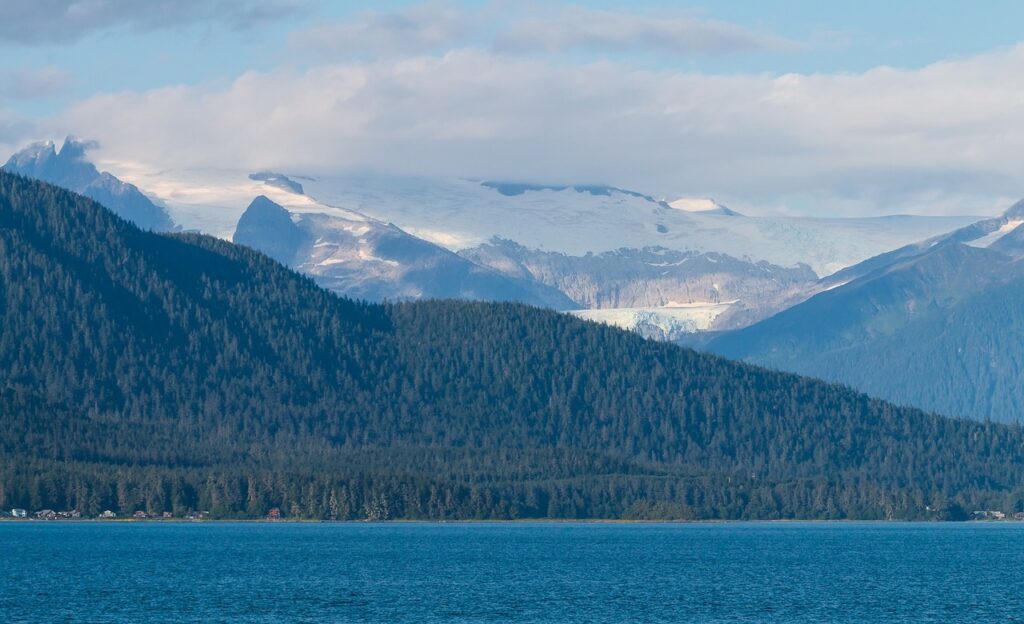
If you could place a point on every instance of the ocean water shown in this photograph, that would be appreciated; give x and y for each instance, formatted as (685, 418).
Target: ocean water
(258, 572)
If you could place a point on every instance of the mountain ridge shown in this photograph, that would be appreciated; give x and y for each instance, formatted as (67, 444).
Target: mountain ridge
(934, 309)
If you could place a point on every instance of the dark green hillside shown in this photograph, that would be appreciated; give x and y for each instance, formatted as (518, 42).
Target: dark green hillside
(176, 372)
(941, 331)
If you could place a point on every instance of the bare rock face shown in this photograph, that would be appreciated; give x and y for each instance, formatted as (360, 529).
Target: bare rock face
(269, 228)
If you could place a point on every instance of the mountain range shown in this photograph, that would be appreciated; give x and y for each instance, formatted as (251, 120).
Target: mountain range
(915, 310)
(159, 372)
(664, 268)
(719, 269)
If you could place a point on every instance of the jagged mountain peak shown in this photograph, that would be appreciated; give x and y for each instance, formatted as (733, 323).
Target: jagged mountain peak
(44, 155)
(74, 148)
(70, 168)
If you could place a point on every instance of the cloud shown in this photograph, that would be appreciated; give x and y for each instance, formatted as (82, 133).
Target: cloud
(882, 141)
(666, 32)
(65, 21)
(34, 83)
(413, 30)
(441, 27)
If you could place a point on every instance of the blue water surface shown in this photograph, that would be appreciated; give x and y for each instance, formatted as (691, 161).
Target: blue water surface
(263, 572)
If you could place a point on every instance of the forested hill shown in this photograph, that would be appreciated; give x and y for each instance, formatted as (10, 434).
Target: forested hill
(141, 371)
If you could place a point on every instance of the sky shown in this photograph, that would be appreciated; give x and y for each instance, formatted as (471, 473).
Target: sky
(771, 107)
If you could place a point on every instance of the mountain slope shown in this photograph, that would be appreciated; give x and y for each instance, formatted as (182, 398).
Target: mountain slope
(935, 325)
(159, 372)
(360, 257)
(69, 169)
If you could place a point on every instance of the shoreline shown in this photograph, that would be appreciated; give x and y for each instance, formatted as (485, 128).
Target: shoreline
(546, 521)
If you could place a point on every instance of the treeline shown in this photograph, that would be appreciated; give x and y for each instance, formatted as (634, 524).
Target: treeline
(347, 494)
(179, 372)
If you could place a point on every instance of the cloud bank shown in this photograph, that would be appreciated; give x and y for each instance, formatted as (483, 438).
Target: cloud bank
(895, 140)
(438, 26)
(436, 90)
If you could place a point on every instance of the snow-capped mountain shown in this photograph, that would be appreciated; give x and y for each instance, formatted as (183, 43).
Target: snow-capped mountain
(573, 220)
(462, 214)
(937, 324)
(364, 258)
(342, 249)
(598, 247)
(69, 168)
(594, 244)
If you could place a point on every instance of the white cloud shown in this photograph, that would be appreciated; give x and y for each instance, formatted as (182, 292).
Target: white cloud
(883, 141)
(441, 26)
(666, 32)
(62, 21)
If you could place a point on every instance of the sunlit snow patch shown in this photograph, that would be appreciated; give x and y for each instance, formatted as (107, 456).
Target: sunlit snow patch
(989, 239)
